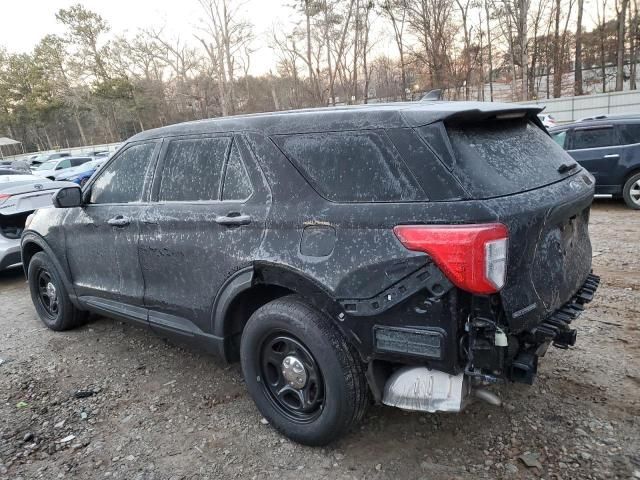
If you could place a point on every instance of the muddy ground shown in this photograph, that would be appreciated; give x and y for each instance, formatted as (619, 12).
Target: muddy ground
(154, 410)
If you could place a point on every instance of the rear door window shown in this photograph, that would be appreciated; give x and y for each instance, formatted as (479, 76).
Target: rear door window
(504, 157)
(593, 138)
(629, 133)
(352, 166)
(192, 169)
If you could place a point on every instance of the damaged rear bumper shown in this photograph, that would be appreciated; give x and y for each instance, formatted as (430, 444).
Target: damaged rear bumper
(419, 388)
(554, 330)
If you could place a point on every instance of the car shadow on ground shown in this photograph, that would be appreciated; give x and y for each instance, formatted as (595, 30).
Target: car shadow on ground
(11, 275)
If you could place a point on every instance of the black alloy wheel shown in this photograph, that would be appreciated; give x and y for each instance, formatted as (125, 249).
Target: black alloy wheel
(47, 293)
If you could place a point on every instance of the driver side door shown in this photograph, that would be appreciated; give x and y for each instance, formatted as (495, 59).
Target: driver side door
(102, 235)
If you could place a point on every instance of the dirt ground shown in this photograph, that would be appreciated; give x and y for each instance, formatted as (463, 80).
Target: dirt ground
(149, 409)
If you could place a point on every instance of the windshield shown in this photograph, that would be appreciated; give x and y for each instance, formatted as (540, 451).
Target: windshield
(50, 165)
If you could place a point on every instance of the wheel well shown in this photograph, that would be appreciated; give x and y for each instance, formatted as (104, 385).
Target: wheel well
(242, 308)
(28, 251)
(629, 175)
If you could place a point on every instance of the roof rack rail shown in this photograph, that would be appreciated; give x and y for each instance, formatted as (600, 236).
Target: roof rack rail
(605, 116)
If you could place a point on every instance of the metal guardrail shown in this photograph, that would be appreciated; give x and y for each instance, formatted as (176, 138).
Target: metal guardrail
(568, 109)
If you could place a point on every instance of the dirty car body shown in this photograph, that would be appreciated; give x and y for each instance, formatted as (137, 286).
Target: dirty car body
(445, 242)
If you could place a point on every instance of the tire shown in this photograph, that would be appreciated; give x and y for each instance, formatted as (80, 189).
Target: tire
(335, 390)
(631, 191)
(49, 295)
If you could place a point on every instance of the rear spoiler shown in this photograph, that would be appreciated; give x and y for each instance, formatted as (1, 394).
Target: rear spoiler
(450, 112)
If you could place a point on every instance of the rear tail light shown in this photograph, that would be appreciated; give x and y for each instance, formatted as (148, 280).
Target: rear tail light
(4, 197)
(473, 257)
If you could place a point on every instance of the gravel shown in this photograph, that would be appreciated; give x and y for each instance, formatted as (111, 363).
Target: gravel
(113, 401)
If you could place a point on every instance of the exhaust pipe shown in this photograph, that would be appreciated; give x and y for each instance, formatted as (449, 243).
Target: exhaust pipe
(487, 396)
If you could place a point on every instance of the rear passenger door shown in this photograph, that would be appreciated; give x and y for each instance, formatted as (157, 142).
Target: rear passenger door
(206, 221)
(596, 148)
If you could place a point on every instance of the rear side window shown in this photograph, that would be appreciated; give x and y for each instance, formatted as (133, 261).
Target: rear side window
(505, 157)
(630, 133)
(593, 138)
(237, 185)
(360, 166)
(122, 181)
(192, 169)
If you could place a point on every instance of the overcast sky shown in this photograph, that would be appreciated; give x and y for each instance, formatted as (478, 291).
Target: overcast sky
(24, 22)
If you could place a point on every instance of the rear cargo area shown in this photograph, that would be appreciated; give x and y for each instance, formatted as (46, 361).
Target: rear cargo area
(542, 196)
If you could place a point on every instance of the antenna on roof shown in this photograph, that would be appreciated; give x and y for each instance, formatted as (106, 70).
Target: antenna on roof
(432, 95)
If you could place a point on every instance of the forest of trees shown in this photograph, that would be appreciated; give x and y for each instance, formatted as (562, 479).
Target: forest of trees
(92, 86)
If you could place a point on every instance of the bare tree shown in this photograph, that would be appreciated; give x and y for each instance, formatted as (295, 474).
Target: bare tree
(577, 89)
(621, 10)
(396, 12)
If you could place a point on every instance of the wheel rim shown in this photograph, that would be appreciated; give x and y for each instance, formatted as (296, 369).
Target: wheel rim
(47, 293)
(291, 378)
(634, 192)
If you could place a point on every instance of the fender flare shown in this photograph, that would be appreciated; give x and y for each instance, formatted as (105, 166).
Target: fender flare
(264, 273)
(32, 237)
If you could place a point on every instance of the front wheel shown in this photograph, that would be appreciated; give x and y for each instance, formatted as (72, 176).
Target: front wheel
(49, 295)
(303, 376)
(631, 192)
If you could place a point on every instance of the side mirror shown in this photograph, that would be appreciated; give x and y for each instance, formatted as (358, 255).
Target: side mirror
(67, 197)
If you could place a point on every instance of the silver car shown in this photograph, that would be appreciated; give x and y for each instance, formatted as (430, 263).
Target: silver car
(20, 195)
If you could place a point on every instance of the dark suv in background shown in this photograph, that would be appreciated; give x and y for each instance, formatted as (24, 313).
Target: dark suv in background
(408, 253)
(608, 146)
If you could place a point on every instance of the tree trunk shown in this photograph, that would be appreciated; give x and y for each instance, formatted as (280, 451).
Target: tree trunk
(557, 68)
(633, 33)
(79, 125)
(489, 50)
(524, 45)
(620, 49)
(577, 88)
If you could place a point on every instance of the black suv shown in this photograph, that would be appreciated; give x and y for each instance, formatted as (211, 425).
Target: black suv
(608, 146)
(406, 254)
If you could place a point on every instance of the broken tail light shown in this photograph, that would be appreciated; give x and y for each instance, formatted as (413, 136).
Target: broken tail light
(473, 257)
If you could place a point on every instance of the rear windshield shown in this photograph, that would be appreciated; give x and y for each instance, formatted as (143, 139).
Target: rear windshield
(503, 157)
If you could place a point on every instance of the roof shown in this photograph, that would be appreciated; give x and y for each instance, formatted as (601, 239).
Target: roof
(8, 141)
(353, 117)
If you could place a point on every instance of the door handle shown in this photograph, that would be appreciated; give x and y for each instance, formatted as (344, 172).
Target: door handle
(233, 219)
(612, 155)
(119, 221)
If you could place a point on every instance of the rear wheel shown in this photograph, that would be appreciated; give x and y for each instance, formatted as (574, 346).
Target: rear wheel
(631, 191)
(303, 376)
(49, 295)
